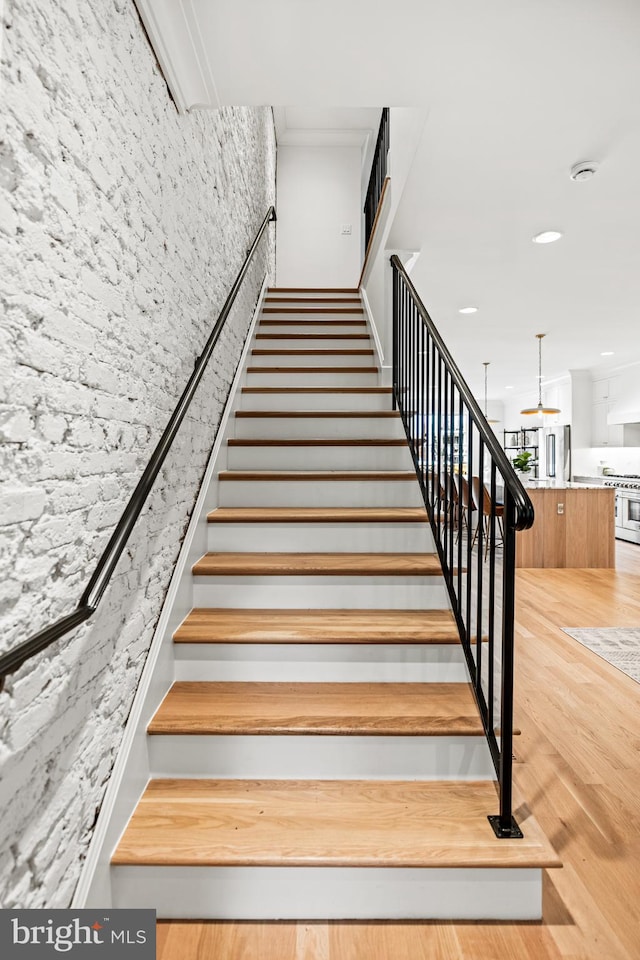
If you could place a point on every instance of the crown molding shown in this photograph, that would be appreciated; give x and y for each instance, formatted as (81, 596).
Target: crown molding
(174, 33)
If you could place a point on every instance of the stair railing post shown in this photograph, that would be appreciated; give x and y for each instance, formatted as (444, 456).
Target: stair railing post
(394, 358)
(504, 823)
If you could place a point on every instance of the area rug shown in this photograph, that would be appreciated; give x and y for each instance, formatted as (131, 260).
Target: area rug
(620, 646)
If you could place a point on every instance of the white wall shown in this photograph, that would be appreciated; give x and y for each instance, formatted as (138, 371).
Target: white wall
(318, 192)
(122, 227)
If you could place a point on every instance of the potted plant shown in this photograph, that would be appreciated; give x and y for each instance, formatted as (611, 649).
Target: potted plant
(521, 462)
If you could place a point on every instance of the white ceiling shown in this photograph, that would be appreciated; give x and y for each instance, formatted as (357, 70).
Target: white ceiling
(517, 91)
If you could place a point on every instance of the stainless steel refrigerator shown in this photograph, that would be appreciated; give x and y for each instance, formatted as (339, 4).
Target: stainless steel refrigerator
(554, 453)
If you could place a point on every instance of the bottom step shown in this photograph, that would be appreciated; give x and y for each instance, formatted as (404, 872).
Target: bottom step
(331, 849)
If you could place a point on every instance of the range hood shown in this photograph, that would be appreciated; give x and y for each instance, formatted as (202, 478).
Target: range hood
(623, 416)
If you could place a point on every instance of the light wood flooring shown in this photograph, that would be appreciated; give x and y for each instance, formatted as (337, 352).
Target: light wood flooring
(578, 765)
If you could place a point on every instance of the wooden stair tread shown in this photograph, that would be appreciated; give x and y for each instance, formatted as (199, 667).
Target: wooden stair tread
(312, 336)
(308, 370)
(333, 709)
(354, 300)
(312, 352)
(349, 311)
(322, 414)
(348, 321)
(314, 442)
(317, 475)
(227, 625)
(318, 515)
(321, 564)
(374, 390)
(325, 823)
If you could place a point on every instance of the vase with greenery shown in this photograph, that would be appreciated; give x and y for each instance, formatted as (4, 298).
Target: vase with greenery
(521, 461)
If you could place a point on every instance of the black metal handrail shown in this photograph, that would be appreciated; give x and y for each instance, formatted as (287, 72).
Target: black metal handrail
(458, 460)
(13, 659)
(378, 174)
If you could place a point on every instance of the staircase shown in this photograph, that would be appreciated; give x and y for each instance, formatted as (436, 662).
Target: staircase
(319, 754)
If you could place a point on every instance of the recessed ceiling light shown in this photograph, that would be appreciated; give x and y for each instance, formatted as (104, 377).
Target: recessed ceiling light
(468, 310)
(547, 236)
(510, 387)
(607, 353)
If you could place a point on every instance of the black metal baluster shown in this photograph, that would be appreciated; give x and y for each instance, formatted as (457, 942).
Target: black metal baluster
(377, 176)
(415, 360)
(469, 525)
(460, 464)
(479, 563)
(452, 419)
(504, 824)
(435, 463)
(394, 342)
(492, 603)
(420, 405)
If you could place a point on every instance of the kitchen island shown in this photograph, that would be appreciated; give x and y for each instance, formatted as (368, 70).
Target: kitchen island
(574, 527)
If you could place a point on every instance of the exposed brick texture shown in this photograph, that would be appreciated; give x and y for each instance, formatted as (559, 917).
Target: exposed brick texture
(122, 226)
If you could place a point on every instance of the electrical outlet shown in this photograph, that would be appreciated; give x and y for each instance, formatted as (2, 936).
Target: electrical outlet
(346, 229)
(560, 508)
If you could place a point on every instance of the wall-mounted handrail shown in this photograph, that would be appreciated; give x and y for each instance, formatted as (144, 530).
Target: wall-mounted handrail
(459, 461)
(378, 175)
(374, 230)
(88, 603)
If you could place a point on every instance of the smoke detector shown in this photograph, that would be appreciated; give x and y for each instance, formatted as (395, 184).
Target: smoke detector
(583, 170)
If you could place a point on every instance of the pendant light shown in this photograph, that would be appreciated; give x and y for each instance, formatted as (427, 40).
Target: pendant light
(540, 408)
(485, 364)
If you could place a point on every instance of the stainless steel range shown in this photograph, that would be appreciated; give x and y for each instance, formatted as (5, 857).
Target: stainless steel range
(627, 506)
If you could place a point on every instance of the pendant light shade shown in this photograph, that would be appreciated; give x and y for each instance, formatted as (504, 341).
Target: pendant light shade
(486, 416)
(540, 409)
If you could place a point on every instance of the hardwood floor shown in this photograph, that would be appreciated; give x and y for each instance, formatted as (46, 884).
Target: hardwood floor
(578, 765)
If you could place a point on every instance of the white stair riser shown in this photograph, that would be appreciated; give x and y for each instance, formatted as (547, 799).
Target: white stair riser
(314, 378)
(313, 360)
(302, 428)
(304, 342)
(282, 400)
(318, 757)
(313, 592)
(316, 326)
(323, 537)
(321, 663)
(320, 493)
(319, 458)
(309, 893)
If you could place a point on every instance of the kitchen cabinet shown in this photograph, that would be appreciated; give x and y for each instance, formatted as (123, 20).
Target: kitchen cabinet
(605, 389)
(604, 434)
(604, 393)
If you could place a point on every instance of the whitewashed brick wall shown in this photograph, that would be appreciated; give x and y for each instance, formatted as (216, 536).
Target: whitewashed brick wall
(122, 226)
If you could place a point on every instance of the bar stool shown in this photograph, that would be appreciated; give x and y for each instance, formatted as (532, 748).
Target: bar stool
(465, 497)
(483, 496)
